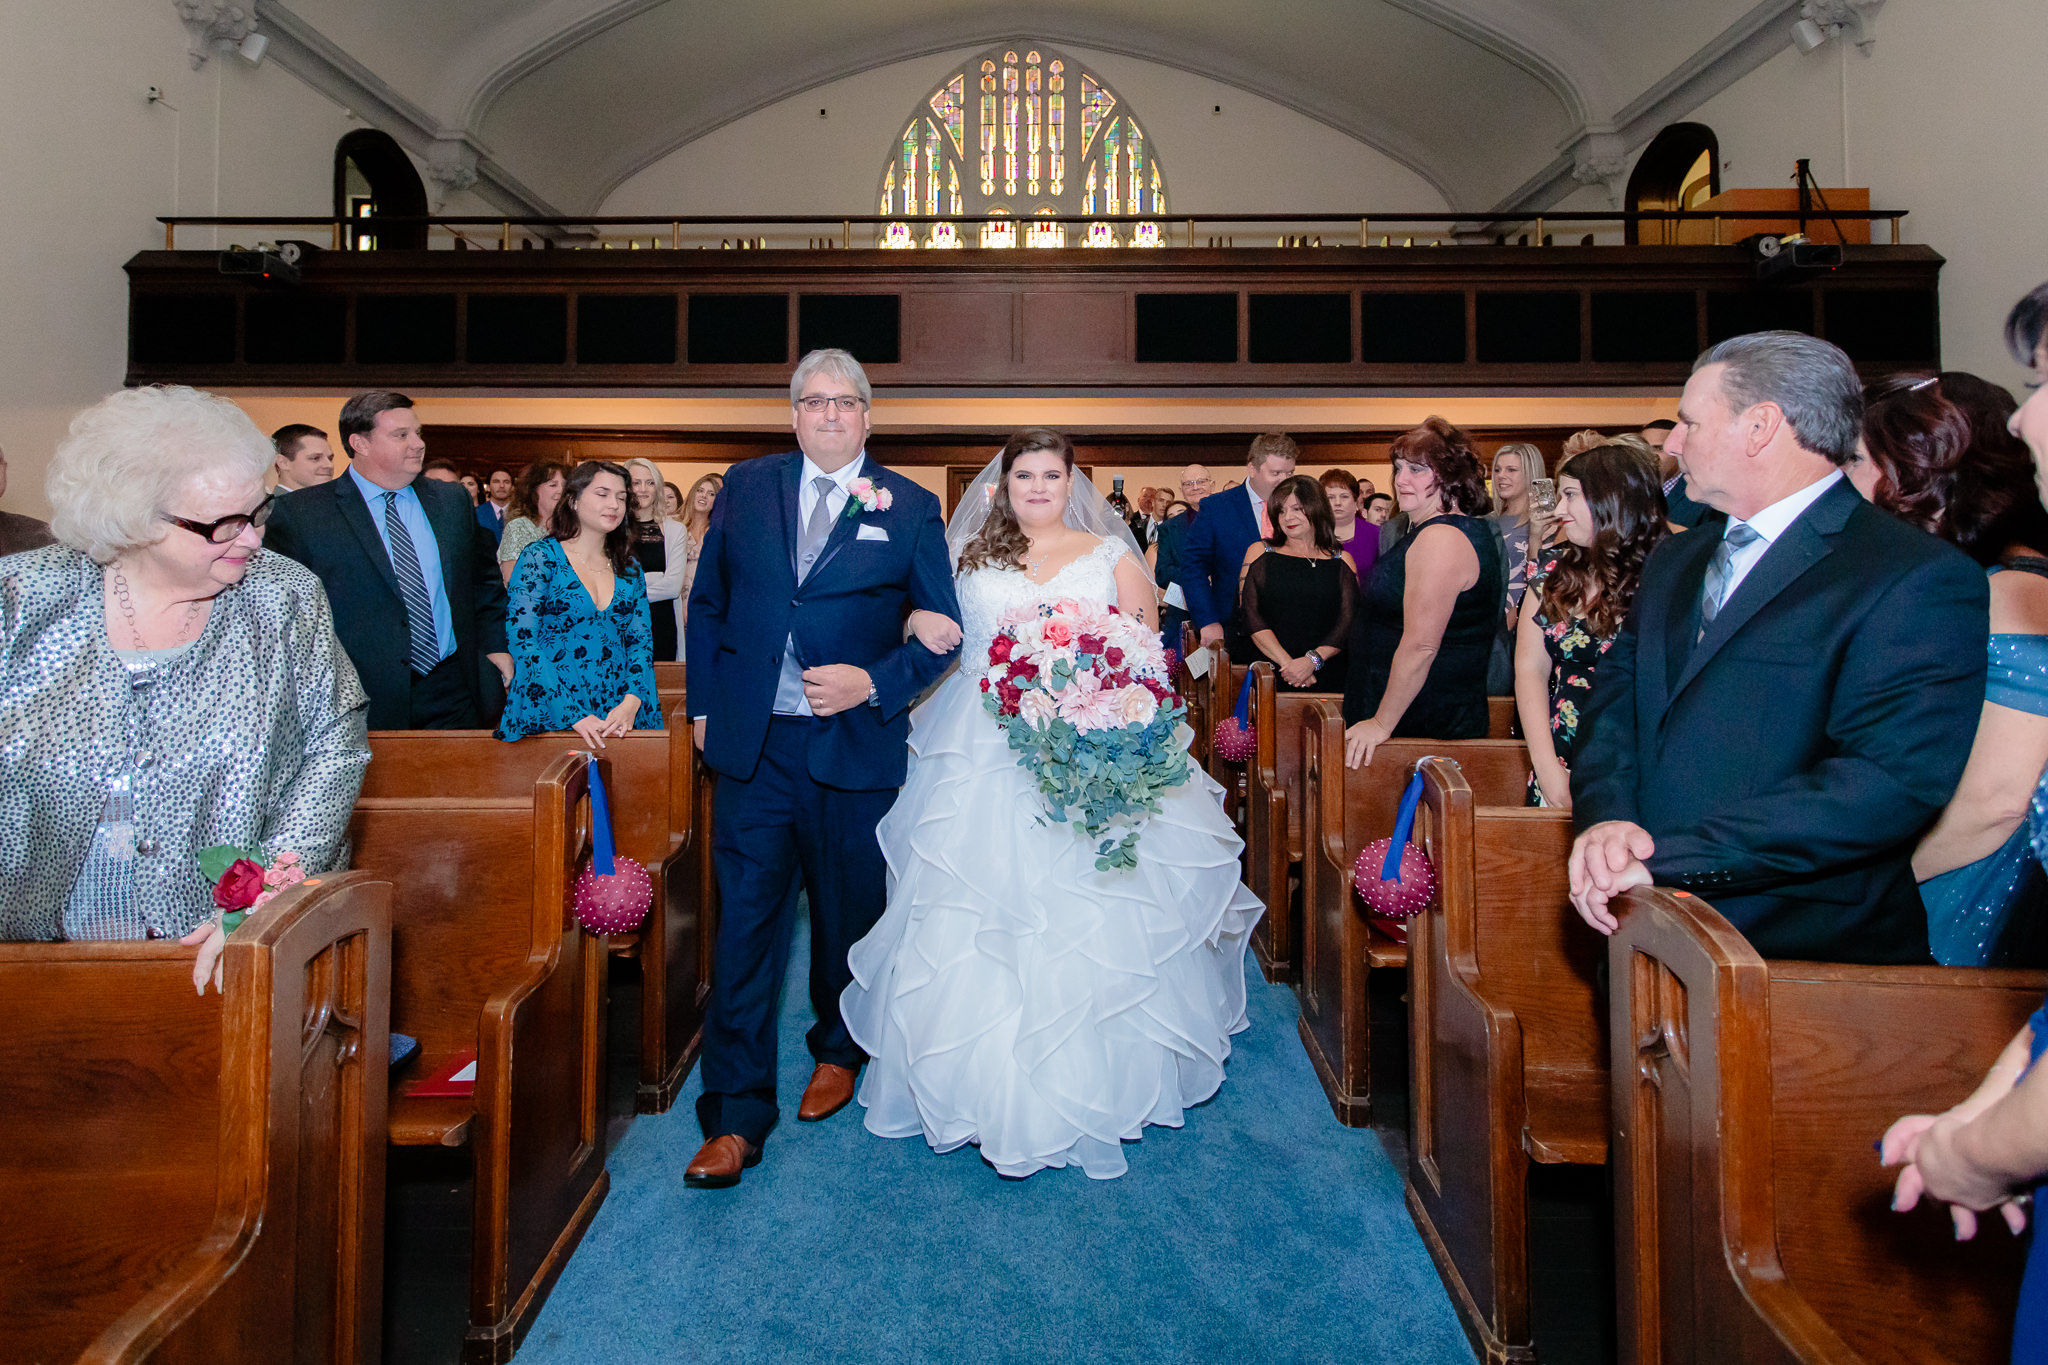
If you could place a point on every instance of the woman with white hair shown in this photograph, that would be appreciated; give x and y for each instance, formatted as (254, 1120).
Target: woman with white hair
(165, 687)
(662, 548)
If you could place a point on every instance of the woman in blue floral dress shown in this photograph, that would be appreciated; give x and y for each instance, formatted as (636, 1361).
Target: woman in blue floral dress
(1610, 507)
(582, 642)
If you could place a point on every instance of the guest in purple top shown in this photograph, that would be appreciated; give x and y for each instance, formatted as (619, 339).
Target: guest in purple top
(1355, 535)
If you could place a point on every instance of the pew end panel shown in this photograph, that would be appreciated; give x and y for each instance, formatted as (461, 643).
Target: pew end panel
(1194, 693)
(1340, 948)
(1223, 682)
(1502, 722)
(1752, 1219)
(1507, 1053)
(650, 825)
(1273, 820)
(488, 958)
(218, 1160)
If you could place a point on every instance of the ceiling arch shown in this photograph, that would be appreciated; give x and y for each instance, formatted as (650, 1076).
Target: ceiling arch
(1378, 74)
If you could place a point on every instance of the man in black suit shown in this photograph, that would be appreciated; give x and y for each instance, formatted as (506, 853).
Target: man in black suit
(1792, 699)
(418, 601)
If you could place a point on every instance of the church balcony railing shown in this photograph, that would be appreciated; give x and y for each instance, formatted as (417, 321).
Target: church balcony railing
(1259, 301)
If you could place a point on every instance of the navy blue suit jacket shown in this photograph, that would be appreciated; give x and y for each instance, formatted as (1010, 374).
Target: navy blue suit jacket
(1224, 528)
(1788, 762)
(747, 604)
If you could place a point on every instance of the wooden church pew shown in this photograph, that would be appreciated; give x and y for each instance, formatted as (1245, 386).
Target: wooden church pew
(487, 959)
(1272, 824)
(196, 1178)
(1752, 1220)
(1343, 811)
(655, 798)
(1195, 693)
(1507, 1046)
(1223, 681)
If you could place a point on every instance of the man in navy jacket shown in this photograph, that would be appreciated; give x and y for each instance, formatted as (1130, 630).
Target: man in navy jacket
(799, 687)
(1793, 696)
(1224, 528)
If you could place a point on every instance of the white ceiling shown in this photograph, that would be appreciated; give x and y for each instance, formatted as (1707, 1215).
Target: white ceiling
(571, 97)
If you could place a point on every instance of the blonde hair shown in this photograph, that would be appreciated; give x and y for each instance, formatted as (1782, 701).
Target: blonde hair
(653, 472)
(129, 455)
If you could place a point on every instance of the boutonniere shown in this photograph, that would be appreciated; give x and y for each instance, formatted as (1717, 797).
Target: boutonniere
(863, 496)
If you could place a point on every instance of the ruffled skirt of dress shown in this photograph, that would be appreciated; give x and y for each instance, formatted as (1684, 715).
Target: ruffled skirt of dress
(1014, 997)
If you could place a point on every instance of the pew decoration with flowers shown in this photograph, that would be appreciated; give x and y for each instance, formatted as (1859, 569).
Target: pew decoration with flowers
(1393, 876)
(241, 882)
(1082, 693)
(1236, 738)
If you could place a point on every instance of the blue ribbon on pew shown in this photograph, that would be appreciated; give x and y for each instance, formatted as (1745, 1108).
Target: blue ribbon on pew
(602, 854)
(1244, 702)
(1404, 825)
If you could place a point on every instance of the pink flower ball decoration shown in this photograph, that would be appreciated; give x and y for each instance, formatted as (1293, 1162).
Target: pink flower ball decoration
(617, 904)
(1235, 743)
(1392, 903)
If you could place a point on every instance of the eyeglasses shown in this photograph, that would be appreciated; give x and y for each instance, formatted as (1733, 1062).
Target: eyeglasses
(815, 404)
(227, 528)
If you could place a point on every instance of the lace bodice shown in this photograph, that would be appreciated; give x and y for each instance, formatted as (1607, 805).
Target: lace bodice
(985, 594)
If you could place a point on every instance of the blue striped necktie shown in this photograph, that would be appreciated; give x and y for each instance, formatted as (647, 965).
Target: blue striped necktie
(412, 586)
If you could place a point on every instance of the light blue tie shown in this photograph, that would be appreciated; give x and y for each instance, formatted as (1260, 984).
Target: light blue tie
(412, 586)
(1721, 568)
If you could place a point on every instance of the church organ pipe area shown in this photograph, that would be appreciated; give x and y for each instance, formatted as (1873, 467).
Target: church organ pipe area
(1461, 317)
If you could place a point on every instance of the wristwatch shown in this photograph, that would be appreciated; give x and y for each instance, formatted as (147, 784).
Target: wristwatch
(874, 694)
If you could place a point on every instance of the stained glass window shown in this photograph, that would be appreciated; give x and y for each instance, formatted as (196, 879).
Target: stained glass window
(1027, 133)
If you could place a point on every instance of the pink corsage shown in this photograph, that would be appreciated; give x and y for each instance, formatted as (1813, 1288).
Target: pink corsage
(863, 496)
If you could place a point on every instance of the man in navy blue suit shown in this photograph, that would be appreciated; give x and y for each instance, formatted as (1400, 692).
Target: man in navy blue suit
(1225, 526)
(799, 686)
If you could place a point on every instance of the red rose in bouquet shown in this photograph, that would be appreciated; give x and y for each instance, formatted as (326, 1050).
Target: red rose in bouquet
(999, 649)
(239, 886)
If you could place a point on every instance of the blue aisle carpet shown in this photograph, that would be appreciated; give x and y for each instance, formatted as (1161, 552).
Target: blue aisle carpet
(1262, 1231)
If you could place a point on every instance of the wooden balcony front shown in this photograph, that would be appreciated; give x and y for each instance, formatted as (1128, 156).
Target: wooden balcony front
(1458, 316)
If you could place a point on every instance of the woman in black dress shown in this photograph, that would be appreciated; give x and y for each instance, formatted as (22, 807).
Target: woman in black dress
(1298, 591)
(1434, 603)
(659, 548)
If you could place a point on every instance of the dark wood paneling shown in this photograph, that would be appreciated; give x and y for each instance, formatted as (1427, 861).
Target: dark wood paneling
(1073, 314)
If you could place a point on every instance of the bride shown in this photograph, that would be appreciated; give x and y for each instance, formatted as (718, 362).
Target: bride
(1012, 996)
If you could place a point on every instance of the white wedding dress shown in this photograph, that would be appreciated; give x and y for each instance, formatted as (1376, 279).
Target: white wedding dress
(1011, 995)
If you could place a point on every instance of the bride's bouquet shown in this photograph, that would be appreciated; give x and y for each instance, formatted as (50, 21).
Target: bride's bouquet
(1081, 692)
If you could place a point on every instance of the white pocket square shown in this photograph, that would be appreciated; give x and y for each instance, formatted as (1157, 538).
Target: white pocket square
(870, 533)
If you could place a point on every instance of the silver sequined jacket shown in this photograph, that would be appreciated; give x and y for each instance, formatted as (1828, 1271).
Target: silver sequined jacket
(253, 736)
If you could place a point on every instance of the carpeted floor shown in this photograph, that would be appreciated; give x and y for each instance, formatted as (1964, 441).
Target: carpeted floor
(1262, 1231)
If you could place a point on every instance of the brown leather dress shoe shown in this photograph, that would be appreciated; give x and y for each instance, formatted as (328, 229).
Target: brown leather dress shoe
(718, 1163)
(830, 1089)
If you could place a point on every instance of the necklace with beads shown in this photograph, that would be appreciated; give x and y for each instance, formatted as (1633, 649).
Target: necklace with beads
(127, 605)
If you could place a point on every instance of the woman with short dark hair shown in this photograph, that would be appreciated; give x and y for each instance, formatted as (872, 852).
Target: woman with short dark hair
(1935, 452)
(1298, 590)
(578, 624)
(1430, 612)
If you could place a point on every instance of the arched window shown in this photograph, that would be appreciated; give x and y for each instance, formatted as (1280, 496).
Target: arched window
(1680, 169)
(374, 178)
(1026, 137)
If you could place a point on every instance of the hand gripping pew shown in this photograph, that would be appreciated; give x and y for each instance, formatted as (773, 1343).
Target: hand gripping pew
(659, 802)
(191, 1178)
(487, 959)
(1752, 1220)
(1344, 810)
(1272, 826)
(1507, 1046)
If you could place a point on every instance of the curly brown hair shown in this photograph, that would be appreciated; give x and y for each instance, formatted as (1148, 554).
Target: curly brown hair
(565, 525)
(1625, 499)
(526, 488)
(1448, 454)
(1001, 542)
(1946, 463)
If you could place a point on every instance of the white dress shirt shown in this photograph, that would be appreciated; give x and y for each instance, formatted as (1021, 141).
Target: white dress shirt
(807, 490)
(1769, 524)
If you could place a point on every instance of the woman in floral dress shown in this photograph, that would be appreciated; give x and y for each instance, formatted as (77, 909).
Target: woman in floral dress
(1610, 506)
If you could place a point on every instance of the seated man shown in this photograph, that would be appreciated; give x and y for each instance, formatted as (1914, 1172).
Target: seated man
(1792, 699)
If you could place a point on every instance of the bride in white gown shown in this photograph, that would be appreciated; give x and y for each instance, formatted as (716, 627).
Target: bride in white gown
(1011, 995)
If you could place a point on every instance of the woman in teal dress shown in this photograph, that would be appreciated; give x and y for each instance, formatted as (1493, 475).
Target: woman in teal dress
(578, 624)
(1935, 451)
